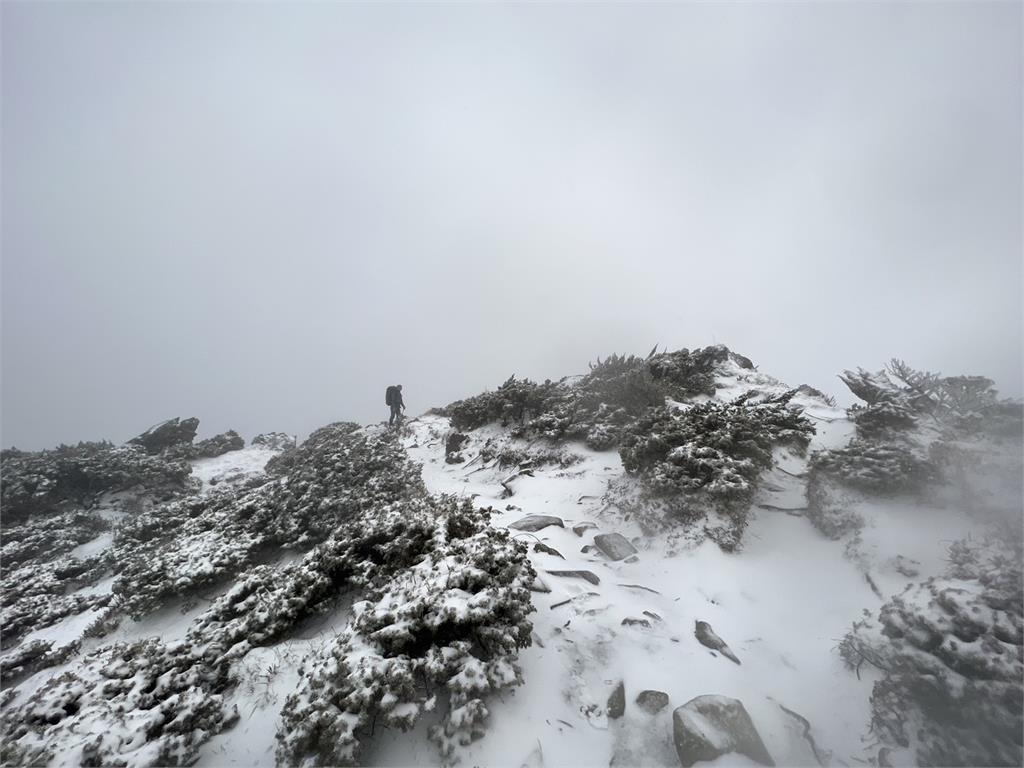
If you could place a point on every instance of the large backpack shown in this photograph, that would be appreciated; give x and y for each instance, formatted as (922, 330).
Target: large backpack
(389, 395)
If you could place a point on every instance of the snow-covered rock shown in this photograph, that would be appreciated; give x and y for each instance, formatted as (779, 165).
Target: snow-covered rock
(709, 726)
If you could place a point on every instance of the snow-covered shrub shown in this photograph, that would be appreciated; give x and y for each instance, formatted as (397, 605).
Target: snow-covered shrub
(882, 417)
(951, 652)
(513, 401)
(38, 593)
(450, 627)
(29, 658)
(876, 467)
(44, 481)
(712, 454)
(363, 554)
(598, 406)
(690, 373)
(144, 704)
(336, 476)
(828, 507)
(48, 536)
(963, 403)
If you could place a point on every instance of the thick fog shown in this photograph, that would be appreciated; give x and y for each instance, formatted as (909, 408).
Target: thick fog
(263, 214)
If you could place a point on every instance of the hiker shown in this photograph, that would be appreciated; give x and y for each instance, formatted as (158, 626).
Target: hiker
(393, 398)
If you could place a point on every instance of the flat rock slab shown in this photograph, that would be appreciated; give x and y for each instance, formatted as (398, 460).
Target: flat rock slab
(536, 522)
(707, 727)
(614, 546)
(586, 575)
(652, 701)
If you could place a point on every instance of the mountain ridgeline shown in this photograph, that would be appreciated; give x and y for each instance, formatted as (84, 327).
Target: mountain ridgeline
(342, 600)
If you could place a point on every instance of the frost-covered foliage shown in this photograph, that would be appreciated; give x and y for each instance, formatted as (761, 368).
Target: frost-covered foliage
(919, 432)
(691, 373)
(951, 653)
(513, 401)
(39, 574)
(37, 595)
(450, 627)
(337, 475)
(959, 402)
(48, 536)
(599, 406)
(75, 476)
(889, 467)
(356, 503)
(141, 704)
(712, 454)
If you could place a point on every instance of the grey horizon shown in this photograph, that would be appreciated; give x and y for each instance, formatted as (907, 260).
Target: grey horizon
(263, 214)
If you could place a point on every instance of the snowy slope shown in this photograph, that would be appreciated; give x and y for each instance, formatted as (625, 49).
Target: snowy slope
(782, 605)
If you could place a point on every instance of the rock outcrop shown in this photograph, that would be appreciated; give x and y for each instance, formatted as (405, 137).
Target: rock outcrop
(166, 434)
(710, 726)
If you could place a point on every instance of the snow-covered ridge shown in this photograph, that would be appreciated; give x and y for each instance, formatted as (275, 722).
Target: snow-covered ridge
(312, 608)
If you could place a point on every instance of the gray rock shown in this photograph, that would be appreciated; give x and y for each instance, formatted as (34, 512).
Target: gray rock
(539, 547)
(617, 701)
(614, 546)
(586, 575)
(708, 727)
(165, 434)
(220, 444)
(629, 621)
(580, 528)
(533, 523)
(707, 637)
(652, 701)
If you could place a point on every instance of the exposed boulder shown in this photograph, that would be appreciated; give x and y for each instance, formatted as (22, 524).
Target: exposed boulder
(652, 701)
(710, 726)
(533, 523)
(631, 621)
(614, 546)
(166, 434)
(617, 701)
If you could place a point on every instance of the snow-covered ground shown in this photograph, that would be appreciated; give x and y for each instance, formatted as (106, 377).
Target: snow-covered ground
(782, 603)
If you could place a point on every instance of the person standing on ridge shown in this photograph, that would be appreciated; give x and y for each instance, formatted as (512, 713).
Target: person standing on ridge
(393, 398)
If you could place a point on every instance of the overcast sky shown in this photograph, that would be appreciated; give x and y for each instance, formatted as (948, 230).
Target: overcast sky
(262, 214)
